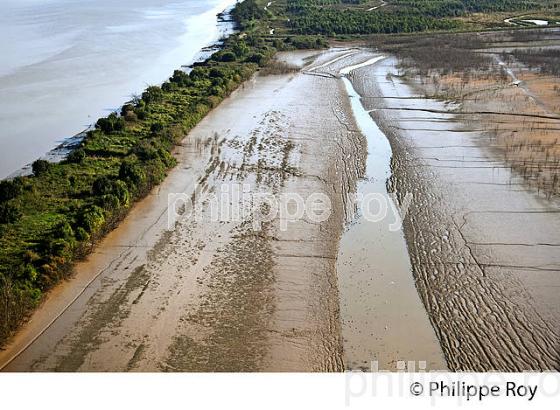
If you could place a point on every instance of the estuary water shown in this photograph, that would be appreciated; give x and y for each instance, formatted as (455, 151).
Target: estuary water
(66, 63)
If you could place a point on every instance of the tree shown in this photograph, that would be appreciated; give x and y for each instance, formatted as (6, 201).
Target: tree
(257, 58)
(101, 186)
(246, 11)
(228, 56)
(131, 172)
(77, 156)
(112, 123)
(40, 167)
(109, 202)
(63, 231)
(91, 218)
(181, 78)
(126, 109)
(152, 94)
(9, 189)
(198, 73)
(105, 187)
(156, 128)
(145, 151)
(9, 213)
(240, 48)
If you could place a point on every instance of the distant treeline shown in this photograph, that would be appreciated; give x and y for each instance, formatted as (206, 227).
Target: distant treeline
(247, 11)
(399, 16)
(453, 8)
(335, 22)
(311, 18)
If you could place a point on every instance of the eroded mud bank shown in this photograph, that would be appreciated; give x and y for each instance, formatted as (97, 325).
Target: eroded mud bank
(484, 248)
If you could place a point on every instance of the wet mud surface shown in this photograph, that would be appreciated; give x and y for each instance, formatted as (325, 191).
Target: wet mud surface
(218, 294)
(469, 283)
(384, 324)
(483, 246)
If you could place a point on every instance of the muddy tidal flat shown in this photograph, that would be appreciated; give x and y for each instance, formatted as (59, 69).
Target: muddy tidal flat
(483, 243)
(462, 274)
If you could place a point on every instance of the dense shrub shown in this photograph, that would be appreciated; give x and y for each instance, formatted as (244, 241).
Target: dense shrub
(104, 186)
(257, 58)
(9, 212)
(91, 218)
(27, 273)
(152, 94)
(40, 167)
(101, 186)
(76, 156)
(132, 173)
(63, 231)
(145, 151)
(126, 108)
(240, 48)
(156, 128)
(10, 189)
(60, 242)
(81, 234)
(228, 56)
(109, 202)
(110, 124)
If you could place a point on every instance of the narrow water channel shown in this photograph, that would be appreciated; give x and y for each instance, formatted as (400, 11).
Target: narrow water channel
(383, 320)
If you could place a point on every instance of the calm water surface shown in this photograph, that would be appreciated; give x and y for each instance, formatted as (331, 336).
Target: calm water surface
(64, 63)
